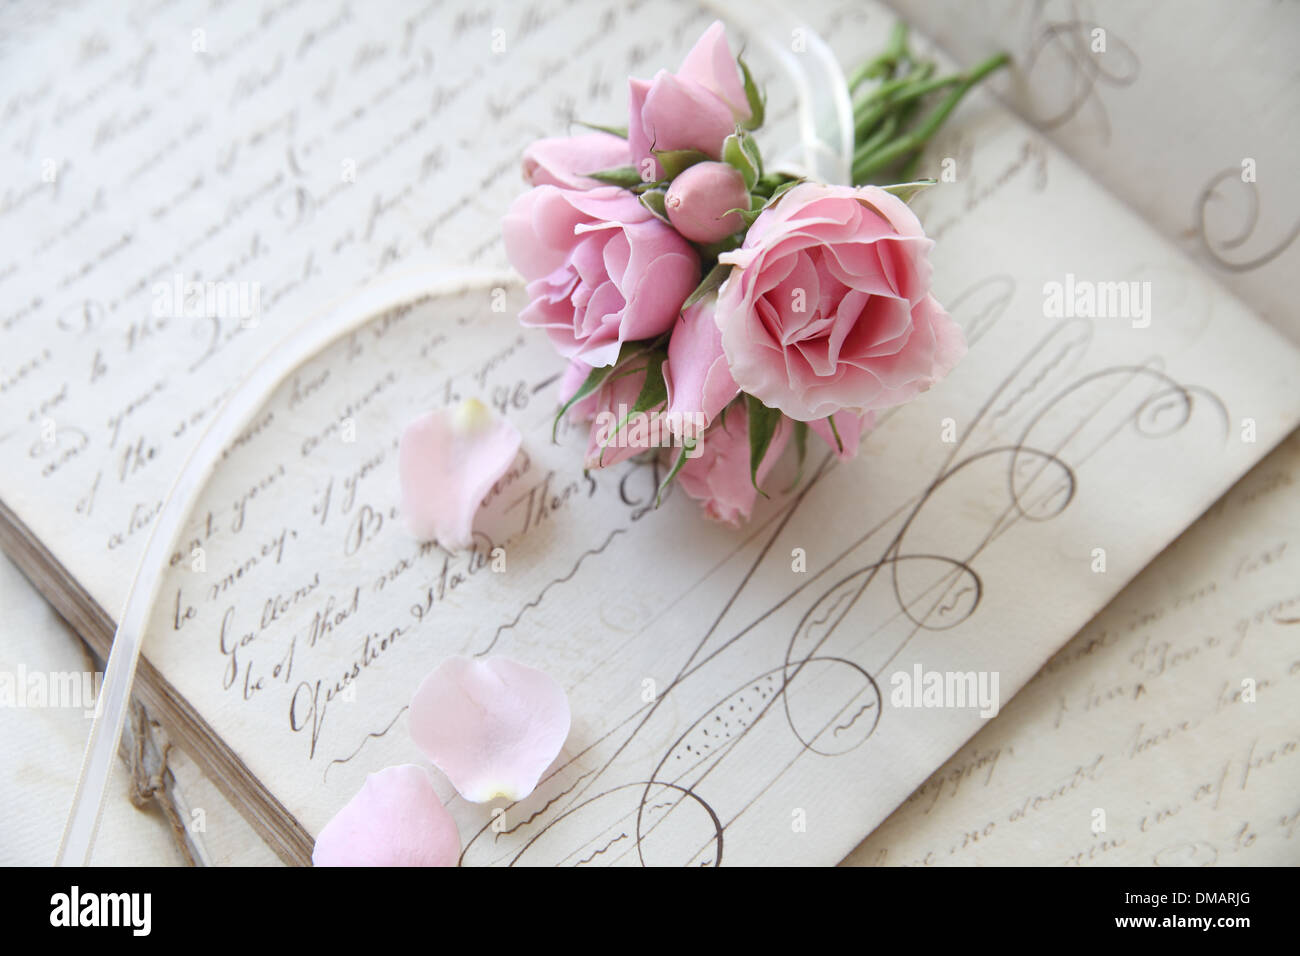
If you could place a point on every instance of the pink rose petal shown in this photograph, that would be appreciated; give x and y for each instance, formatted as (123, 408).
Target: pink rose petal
(566, 160)
(719, 478)
(492, 726)
(711, 64)
(695, 108)
(396, 819)
(448, 461)
(696, 376)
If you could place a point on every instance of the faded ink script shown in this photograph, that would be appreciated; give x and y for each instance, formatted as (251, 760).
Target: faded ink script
(731, 690)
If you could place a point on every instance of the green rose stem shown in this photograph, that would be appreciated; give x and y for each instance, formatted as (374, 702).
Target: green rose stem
(887, 62)
(869, 161)
(909, 91)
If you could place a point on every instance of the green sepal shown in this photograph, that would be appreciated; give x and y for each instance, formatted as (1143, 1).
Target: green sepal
(714, 249)
(839, 442)
(735, 155)
(781, 191)
(711, 282)
(750, 146)
(722, 415)
(653, 199)
(654, 390)
(687, 446)
(595, 378)
(676, 161)
(905, 191)
(625, 176)
(619, 131)
(757, 105)
(598, 376)
(762, 426)
(759, 201)
(747, 216)
(645, 187)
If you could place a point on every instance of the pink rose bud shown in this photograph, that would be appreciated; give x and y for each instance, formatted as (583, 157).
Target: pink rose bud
(700, 199)
(697, 107)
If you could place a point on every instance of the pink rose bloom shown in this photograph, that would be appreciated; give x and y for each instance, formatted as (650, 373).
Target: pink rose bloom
(695, 108)
(601, 269)
(829, 306)
(565, 160)
(696, 374)
(719, 478)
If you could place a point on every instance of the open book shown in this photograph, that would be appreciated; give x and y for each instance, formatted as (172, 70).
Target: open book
(738, 697)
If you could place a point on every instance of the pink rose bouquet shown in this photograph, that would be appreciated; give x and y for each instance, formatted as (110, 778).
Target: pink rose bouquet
(713, 312)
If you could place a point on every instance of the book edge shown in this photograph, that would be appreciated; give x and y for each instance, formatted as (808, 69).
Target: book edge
(95, 627)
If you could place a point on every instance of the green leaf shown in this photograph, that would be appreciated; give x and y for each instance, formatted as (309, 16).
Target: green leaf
(619, 131)
(676, 161)
(625, 176)
(710, 283)
(737, 157)
(905, 191)
(714, 249)
(687, 446)
(757, 106)
(654, 201)
(762, 426)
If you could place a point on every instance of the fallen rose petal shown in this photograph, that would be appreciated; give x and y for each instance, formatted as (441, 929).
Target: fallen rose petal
(396, 819)
(492, 726)
(448, 461)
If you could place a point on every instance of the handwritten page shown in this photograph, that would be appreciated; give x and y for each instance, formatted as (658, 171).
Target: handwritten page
(1163, 734)
(731, 690)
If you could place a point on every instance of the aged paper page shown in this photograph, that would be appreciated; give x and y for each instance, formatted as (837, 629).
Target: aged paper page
(723, 697)
(730, 690)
